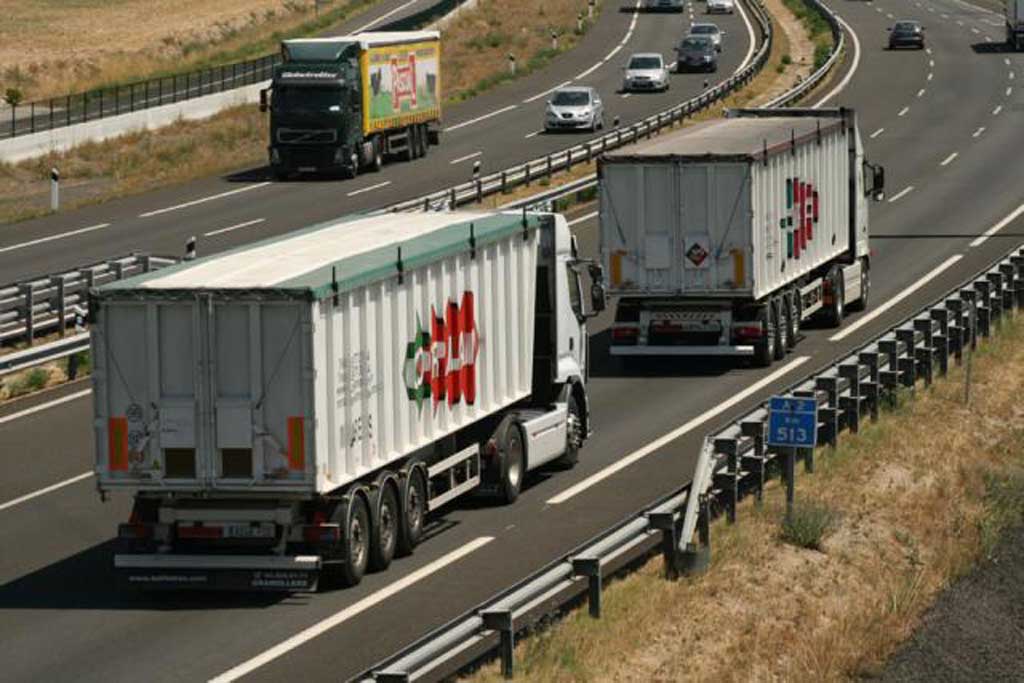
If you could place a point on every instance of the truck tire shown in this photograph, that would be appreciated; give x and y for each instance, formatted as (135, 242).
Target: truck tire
(350, 566)
(513, 462)
(410, 144)
(781, 327)
(865, 289)
(377, 161)
(413, 511)
(834, 312)
(352, 169)
(764, 350)
(792, 302)
(573, 436)
(384, 539)
(424, 138)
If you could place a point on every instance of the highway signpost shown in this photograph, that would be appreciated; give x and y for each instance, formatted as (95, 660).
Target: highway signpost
(793, 424)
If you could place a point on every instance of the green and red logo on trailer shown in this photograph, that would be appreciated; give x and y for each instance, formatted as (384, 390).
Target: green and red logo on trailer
(440, 362)
(802, 207)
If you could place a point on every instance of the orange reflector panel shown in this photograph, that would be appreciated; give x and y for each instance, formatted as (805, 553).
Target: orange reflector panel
(117, 439)
(296, 444)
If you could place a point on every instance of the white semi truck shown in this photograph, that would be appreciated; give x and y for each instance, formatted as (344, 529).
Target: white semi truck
(722, 238)
(302, 404)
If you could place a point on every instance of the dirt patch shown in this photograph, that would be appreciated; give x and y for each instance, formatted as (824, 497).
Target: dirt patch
(796, 61)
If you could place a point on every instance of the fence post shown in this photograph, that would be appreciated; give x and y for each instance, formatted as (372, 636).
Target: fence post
(59, 282)
(590, 567)
(54, 189)
(501, 621)
(32, 117)
(51, 113)
(28, 291)
(14, 131)
(101, 103)
(527, 174)
(549, 167)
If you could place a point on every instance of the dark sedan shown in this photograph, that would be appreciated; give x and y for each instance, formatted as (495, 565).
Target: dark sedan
(906, 34)
(696, 53)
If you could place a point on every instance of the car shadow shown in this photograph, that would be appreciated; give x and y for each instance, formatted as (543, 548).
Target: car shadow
(633, 9)
(992, 48)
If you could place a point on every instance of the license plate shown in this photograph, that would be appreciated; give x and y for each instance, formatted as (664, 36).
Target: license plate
(262, 530)
(307, 169)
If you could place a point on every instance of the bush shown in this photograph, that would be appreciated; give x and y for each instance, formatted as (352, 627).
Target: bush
(786, 59)
(13, 97)
(807, 525)
(821, 54)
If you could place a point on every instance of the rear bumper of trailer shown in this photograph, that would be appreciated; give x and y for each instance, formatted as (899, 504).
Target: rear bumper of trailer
(299, 573)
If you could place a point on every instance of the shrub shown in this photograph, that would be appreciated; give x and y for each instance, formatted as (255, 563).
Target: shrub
(807, 525)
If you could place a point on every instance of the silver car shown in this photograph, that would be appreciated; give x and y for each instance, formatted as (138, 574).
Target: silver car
(645, 71)
(720, 6)
(574, 108)
(711, 31)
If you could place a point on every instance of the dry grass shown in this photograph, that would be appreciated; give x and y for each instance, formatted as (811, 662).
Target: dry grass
(918, 500)
(90, 43)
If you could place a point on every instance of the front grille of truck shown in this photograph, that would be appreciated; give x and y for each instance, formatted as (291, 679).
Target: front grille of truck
(301, 136)
(306, 156)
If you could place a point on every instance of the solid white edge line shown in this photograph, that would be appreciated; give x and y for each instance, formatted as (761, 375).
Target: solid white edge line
(237, 226)
(879, 310)
(539, 95)
(877, 133)
(203, 200)
(580, 219)
(482, 118)
(997, 227)
(371, 188)
(353, 610)
(43, 406)
(853, 67)
(42, 492)
(948, 160)
(901, 194)
(474, 155)
(750, 35)
(51, 238)
(662, 441)
(384, 16)
(533, 134)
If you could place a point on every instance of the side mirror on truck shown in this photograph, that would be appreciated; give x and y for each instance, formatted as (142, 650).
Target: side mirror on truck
(263, 99)
(598, 298)
(877, 188)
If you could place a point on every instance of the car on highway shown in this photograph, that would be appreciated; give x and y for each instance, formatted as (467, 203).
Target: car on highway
(574, 108)
(721, 6)
(706, 28)
(696, 53)
(906, 34)
(645, 71)
(664, 5)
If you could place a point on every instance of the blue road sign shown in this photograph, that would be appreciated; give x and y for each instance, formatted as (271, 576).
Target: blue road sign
(792, 422)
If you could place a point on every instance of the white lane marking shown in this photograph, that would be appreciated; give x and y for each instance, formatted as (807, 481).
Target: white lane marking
(901, 194)
(42, 492)
(614, 52)
(353, 610)
(385, 16)
(974, 30)
(203, 200)
(629, 94)
(889, 15)
(959, 23)
(931, 63)
(879, 310)
(539, 95)
(948, 160)
(988, 39)
(752, 39)
(371, 188)
(877, 133)
(998, 226)
(995, 112)
(589, 71)
(1009, 91)
(944, 16)
(978, 132)
(1010, 75)
(930, 75)
(474, 155)
(1006, 61)
(920, 93)
(51, 238)
(666, 439)
(237, 226)
(482, 118)
(853, 68)
(533, 134)
(44, 406)
(581, 219)
(903, 111)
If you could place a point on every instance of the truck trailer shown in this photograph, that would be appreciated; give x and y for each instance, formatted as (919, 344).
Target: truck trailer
(1015, 24)
(723, 238)
(301, 405)
(350, 103)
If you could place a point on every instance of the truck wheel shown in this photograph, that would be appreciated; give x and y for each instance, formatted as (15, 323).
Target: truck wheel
(781, 328)
(834, 311)
(764, 349)
(513, 462)
(792, 317)
(410, 144)
(352, 169)
(385, 529)
(414, 511)
(377, 162)
(573, 435)
(356, 542)
(424, 140)
(865, 289)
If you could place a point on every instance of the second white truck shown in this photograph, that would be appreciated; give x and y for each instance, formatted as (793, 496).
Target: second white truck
(722, 238)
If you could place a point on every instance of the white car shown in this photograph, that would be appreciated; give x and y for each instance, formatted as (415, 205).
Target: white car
(711, 31)
(645, 71)
(574, 108)
(721, 6)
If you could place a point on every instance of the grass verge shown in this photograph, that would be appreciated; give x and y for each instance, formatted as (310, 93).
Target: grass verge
(817, 28)
(914, 502)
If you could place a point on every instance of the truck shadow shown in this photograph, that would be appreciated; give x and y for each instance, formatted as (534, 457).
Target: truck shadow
(991, 48)
(603, 364)
(86, 581)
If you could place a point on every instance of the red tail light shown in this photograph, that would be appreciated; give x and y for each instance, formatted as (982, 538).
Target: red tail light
(322, 533)
(625, 334)
(748, 332)
(200, 531)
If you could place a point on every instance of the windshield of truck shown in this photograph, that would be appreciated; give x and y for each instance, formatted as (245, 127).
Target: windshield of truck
(645, 63)
(309, 98)
(570, 98)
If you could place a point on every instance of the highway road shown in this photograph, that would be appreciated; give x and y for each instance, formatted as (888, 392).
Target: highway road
(939, 120)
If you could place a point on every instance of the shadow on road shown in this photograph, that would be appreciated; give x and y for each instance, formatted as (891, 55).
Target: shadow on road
(603, 364)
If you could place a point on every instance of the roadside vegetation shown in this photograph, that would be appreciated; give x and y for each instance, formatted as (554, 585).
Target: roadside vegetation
(817, 28)
(475, 58)
(890, 519)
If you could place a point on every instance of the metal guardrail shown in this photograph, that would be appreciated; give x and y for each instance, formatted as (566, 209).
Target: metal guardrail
(60, 112)
(45, 353)
(51, 303)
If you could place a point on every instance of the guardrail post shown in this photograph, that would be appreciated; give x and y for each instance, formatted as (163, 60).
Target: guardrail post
(956, 328)
(851, 373)
(501, 621)
(995, 280)
(590, 567)
(526, 173)
(925, 356)
(568, 159)
(1018, 284)
(695, 558)
(940, 341)
(908, 364)
(28, 291)
(59, 282)
(452, 202)
(1007, 272)
(870, 387)
(590, 155)
(970, 298)
(670, 527)
(147, 263)
(983, 308)
(504, 182)
(549, 167)
(754, 430)
(789, 474)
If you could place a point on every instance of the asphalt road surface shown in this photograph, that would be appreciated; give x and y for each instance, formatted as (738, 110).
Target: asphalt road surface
(941, 121)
